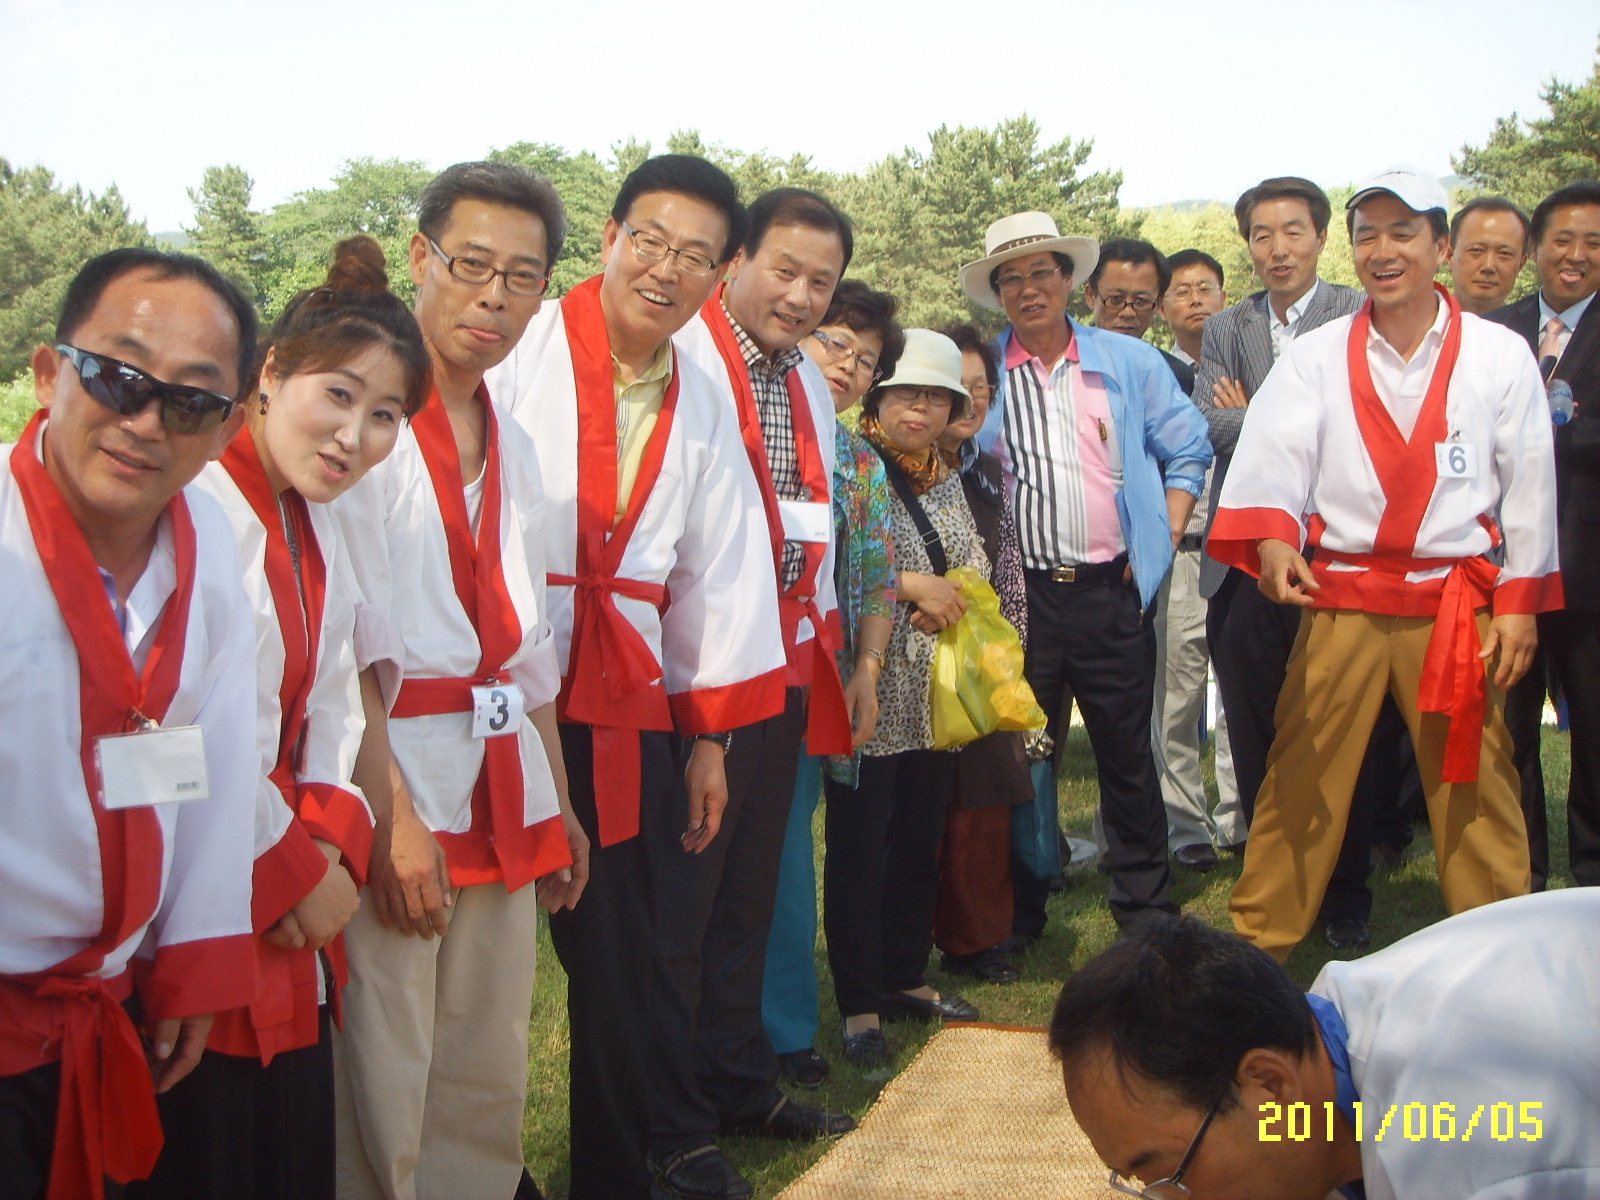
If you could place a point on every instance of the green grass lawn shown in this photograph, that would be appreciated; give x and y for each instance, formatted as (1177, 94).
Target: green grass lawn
(1080, 926)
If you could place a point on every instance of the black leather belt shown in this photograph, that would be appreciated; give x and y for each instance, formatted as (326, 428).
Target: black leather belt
(1106, 572)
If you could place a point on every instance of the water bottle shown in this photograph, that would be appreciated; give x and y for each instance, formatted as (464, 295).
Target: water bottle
(1559, 393)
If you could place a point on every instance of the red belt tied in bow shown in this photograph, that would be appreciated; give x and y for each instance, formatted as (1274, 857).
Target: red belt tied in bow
(1453, 677)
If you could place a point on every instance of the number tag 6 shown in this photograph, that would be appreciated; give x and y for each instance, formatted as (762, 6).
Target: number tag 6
(1456, 460)
(496, 710)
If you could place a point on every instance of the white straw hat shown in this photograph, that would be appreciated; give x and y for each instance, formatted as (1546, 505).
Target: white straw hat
(1019, 235)
(929, 360)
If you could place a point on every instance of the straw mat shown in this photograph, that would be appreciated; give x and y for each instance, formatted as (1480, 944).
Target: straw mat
(979, 1113)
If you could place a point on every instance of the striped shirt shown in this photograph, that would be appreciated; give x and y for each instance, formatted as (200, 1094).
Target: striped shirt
(1065, 455)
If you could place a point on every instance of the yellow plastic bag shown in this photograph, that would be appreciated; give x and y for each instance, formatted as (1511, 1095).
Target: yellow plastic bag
(977, 671)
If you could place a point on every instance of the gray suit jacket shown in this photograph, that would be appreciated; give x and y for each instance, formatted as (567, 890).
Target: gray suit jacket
(1237, 344)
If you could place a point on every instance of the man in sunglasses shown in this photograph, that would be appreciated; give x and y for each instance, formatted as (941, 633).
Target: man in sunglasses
(1461, 1061)
(648, 491)
(127, 717)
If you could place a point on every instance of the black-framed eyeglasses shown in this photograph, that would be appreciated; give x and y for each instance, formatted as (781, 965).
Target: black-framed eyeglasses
(839, 351)
(1038, 277)
(128, 391)
(652, 248)
(1139, 302)
(1184, 290)
(1172, 1187)
(519, 282)
(934, 399)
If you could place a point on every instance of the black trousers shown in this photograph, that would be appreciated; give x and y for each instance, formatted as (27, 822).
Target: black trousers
(606, 946)
(1250, 639)
(881, 874)
(1091, 641)
(28, 1133)
(710, 1062)
(237, 1130)
(1570, 653)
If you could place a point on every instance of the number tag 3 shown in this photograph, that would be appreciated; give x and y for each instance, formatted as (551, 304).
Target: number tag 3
(496, 710)
(1456, 460)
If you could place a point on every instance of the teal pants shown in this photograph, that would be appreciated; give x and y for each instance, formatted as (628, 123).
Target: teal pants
(789, 989)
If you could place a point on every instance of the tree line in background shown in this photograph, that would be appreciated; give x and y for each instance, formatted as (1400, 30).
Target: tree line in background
(919, 213)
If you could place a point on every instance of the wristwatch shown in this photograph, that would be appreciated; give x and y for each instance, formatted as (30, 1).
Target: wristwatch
(724, 740)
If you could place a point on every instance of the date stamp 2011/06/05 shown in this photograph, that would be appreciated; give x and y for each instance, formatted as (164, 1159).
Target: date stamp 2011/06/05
(1440, 1121)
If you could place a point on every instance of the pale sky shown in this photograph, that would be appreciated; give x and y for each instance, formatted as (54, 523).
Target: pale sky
(1191, 100)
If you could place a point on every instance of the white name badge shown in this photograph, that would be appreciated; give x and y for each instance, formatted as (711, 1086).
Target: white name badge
(496, 710)
(806, 521)
(1456, 460)
(152, 766)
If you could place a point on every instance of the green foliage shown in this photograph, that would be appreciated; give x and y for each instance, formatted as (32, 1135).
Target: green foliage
(16, 405)
(47, 232)
(226, 233)
(587, 188)
(1527, 160)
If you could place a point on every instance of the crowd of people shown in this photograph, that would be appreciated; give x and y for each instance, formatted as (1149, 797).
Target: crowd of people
(422, 620)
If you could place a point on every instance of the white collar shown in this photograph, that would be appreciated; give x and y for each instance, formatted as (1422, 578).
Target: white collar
(1569, 318)
(1295, 311)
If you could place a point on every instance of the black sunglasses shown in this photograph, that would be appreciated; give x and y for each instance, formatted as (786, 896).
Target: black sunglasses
(127, 390)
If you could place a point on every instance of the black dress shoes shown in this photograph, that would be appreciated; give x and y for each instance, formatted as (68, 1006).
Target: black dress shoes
(950, 1007)
(795, 1122)
(1348, 933)
(698, 1174)
(803, 1068)
(867, 1049)
(1198, 857)
(988, 965)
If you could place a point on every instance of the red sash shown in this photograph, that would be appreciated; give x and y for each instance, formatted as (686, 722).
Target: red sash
(284, 1014)
(106, 1122)
(828, 720)
(499, 845)
(1453, 679)
(613, 681)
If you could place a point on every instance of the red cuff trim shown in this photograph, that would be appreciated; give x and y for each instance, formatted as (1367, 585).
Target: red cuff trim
(530, 853)
(1236, 531)
(1527, 596)
(284, 876)
(336, 815)
(206, 976)
(718, 709)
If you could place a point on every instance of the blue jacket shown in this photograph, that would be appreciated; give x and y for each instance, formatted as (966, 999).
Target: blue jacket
(1172, 450)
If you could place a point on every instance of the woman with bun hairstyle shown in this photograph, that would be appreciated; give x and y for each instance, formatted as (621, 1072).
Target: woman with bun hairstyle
(344, 366)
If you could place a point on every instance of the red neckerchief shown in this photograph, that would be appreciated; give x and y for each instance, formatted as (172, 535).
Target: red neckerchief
(106, 1122)
(516, 852)
(1453, 679)
(613, 680)
(301, 637)
(828, 722)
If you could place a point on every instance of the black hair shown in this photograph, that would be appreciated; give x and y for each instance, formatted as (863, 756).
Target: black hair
(1064, 261)
(1283, 187)
(1184, 259)
(100, 272)
(1135, 253)
(1585, 191)
(858, 307)
(1492, 204)
(797, 206)
(1179, 1004)
(686, 175)
(969, 341)
(507, 184)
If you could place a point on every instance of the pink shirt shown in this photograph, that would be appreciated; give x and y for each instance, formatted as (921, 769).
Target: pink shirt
(1085, 463)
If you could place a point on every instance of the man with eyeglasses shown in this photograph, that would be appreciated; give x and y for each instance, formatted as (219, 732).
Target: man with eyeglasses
(464, 773)
(1105, 456)
(746, 337)
(128, 708)
(1131, 282)
(648, 491)
(1461, 1061)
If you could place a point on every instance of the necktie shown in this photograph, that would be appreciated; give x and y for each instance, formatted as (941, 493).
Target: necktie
(1550, 343)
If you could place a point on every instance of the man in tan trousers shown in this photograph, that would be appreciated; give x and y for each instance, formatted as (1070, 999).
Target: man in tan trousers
(1409, 446)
